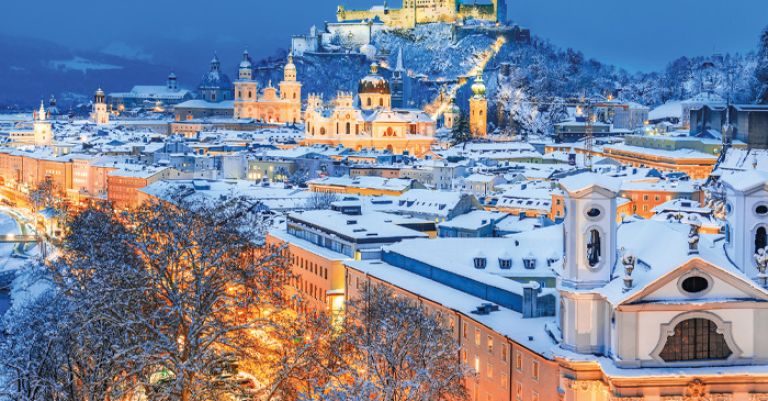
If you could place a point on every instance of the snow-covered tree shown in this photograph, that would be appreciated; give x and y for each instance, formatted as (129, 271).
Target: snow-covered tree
(761, 70)
(460, 133)
(401, 352)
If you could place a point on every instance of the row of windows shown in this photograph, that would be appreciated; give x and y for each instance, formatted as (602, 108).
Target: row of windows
(312, 267)
(310, 289)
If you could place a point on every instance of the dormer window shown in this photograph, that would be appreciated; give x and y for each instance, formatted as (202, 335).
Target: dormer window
(505, 263)
(480, 261)
(529, 263)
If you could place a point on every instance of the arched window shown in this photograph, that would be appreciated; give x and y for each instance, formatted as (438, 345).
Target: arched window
(349, 129)
(593, 248)
(695, 340)
(389, 132)
(761, 238)
(322, 130)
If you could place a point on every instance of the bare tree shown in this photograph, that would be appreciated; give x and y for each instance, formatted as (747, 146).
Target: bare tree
(321, 200)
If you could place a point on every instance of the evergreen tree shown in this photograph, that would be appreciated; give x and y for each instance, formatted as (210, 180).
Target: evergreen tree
(761, 71)
(460, 132)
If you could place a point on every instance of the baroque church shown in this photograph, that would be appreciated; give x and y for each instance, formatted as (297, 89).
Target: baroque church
(368, 120)
(655, 310)
(278, 105)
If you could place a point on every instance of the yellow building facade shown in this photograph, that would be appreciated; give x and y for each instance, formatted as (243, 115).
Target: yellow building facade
(274, 105)
(478, 109)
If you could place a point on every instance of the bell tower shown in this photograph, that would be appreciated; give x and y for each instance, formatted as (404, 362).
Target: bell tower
(290, 90)
(100, 115)
(42, 128)
(478, 109)
(589, 235)
(746, 221)
(590, 230)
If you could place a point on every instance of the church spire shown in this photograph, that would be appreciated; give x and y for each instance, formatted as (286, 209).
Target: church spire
(41, 112)
(399, 64)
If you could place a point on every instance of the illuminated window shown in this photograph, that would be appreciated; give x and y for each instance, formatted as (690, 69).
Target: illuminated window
(504, 353)
(490, 344)
(519, 361)
(464, 330)
(477, 337)
(518, 390)
(489, 370)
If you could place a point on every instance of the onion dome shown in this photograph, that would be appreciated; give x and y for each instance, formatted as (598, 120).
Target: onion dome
(374, 83)
(453, 107)
(478, 88)
(290, 66)
(246, 63)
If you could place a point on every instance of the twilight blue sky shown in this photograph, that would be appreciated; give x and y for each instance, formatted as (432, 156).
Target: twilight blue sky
(639, 34)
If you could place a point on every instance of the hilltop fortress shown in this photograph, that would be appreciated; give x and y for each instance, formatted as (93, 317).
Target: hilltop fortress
(416, 12)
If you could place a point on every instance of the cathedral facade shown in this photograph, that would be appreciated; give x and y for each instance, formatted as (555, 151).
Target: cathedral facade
(276, 105)
(416, 12)
(373, 124)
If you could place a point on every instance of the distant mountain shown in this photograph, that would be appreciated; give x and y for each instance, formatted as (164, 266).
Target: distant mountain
(33, 69)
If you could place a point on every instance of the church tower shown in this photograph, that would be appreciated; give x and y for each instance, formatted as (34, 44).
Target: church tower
(100, 115)
(590, 230)
(173, 84)
(398, 83)
(290, 88)
(746, 228)
(246, 89)
(589, 235)
(451, 115)
(478, 109)
(42, 128)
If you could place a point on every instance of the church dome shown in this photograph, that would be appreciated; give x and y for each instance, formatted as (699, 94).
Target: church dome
(453, 107)
(246, 63)
(478, 88)
(374, 83)
(290, 66)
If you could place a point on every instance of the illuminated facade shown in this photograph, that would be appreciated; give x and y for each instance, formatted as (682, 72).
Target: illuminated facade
(478, 109)
(100, 115)
(374, 124)
(416, 12)
(272, 105)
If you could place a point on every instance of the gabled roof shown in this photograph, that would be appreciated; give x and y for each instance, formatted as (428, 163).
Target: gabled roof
(730, 281)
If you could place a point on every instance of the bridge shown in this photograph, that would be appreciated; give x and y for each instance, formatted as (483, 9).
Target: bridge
(18, 239)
